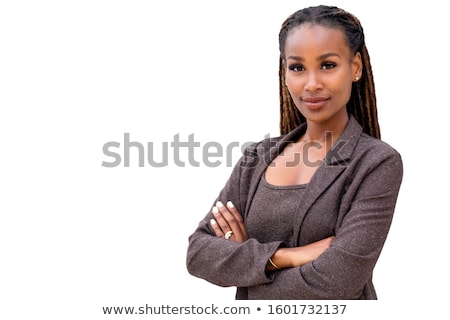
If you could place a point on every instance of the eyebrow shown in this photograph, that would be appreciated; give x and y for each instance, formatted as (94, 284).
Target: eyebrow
(321, 57)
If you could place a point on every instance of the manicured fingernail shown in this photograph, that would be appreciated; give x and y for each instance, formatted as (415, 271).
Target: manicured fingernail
(230, 204)
(215, 210)
(219, 204)
(213, 221)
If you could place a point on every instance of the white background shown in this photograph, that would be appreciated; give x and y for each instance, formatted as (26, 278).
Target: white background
(76, 236)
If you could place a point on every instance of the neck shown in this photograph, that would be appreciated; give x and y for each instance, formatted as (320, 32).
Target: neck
(328, 131)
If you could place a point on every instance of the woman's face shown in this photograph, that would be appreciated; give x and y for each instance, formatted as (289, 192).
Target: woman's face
(320, 69)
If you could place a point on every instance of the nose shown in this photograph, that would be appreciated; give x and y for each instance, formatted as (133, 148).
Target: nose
(313, 82)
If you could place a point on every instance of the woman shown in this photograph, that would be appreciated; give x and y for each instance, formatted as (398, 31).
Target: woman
(305, 215)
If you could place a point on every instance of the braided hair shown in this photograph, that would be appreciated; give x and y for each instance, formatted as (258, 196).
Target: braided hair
(362, 103)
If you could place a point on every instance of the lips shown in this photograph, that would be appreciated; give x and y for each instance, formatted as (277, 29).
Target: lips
(315, 103)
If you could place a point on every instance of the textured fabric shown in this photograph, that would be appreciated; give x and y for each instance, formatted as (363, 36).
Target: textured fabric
(272, 212)
(352, 195)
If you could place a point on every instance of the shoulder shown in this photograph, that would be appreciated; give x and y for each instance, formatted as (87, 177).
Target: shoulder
(362, 153)
(375, 148)
(356, 145)
(255, 154)
(264, 151)
(374, 155)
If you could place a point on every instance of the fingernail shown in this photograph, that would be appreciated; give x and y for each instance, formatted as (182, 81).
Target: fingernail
(213, 221)
(219, 204)
(215, 210)
(230, 204)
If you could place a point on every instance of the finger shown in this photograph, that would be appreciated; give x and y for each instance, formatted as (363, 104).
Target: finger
(221, 222)
(232, 223)
(238, 217)
(217, 231)
(227, 217)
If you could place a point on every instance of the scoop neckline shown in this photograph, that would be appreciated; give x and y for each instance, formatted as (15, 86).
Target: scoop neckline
(281, 187)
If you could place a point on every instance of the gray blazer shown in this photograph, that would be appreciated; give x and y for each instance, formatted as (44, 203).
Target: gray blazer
(352, 195)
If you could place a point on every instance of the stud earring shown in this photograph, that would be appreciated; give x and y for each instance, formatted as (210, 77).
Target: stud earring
(356, 79)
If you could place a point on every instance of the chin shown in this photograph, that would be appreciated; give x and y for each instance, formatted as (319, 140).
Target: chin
(324, 116)
(317, 116)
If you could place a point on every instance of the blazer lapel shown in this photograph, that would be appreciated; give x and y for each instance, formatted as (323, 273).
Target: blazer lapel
(334, 164)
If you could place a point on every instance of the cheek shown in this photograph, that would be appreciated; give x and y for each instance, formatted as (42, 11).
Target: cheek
(340, 86)
(295, 85)
(346, 90)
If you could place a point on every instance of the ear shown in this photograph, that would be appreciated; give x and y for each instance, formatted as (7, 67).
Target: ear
(357, 66)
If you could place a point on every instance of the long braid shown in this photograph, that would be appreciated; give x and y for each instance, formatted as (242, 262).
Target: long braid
(290, 116)
(362, 103)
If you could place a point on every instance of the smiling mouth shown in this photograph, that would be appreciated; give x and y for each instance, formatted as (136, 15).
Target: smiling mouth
(314, 99)
(315, 103)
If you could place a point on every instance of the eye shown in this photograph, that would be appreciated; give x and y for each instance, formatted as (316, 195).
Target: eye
(296, 67)
(328, 65)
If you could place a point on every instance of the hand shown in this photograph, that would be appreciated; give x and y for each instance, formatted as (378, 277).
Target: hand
(298, 256)
(311, 252)
(227, 218)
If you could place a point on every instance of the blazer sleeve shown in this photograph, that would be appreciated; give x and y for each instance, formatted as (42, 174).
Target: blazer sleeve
(345, 269)
(224, 262)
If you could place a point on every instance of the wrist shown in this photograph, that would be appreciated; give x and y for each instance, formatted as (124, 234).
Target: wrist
(281, 259)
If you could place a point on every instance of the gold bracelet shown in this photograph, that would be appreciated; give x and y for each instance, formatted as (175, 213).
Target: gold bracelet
(273, 264)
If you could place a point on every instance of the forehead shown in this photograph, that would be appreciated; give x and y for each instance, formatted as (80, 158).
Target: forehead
(314, 38)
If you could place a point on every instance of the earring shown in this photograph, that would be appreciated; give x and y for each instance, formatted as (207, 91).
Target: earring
(356, 79)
